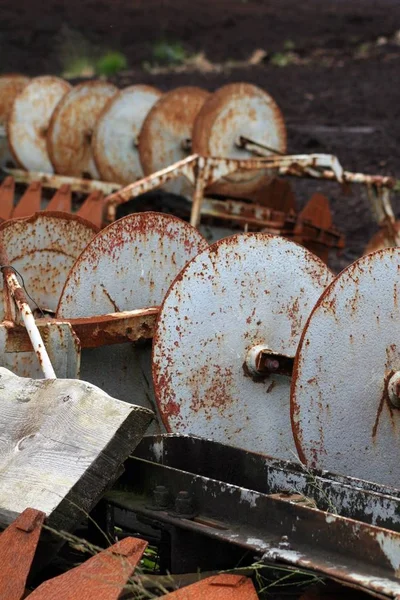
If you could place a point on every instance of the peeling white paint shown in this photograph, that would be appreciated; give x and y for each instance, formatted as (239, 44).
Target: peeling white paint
(390, 546)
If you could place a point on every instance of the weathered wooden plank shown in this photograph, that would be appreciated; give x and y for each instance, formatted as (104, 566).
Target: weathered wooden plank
(62, 442)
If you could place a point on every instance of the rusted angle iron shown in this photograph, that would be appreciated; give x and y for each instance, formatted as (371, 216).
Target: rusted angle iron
(104, 576)
(92, 332)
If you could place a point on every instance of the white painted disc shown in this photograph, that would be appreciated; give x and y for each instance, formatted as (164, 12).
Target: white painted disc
(341, 415)
(43, 249)
(117, 131)
(10, 87)
(242, 291)
(29, 121)
(129, 265)
(238, 109)
(69, 138)
(166, 128)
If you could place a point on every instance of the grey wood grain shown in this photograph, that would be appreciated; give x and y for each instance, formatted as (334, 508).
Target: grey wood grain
(62, 443)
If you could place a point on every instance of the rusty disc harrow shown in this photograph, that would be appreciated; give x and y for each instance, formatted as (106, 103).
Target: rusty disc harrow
(166, 133)
(127, 266)
(29, 121)
(346, 387)
(116, 133)
(234, 111)
(243, 300)
(10, 87)
(43, 249)
(69, 139)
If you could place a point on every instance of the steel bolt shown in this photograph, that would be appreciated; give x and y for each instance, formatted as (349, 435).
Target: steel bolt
(161, 496)
(184, 504)
(284, 543)
(272, 365)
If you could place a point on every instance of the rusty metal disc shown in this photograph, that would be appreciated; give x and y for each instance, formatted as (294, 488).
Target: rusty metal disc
(129, 265)
(69, 139)
(29, 121)
(167, 131)
(238, 109)
(342, 416)
(242, 292)
(43, 249)
(117, 131)
(10, 87)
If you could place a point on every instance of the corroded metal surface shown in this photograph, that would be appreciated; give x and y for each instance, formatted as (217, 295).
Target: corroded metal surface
(129, 265)
(29, 121)
(219, 587)
(235, 504)
(243, 291)
(166, 130)
(14, 290)
(234, 110)
(30, 202)
(342, 416)
(18, 545)
(102, 577)
(7, 189)
(100, 330)
(86, 186)
(116, 133)
(43, 249)
(71, 128)
(10, 87)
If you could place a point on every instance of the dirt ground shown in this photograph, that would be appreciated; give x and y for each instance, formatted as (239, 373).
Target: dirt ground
(339, 89)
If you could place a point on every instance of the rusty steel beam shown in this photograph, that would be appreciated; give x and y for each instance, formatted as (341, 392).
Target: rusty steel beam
(86, 186)
(17, 548)
(102, 330)
(186, 167)
(204, 171)
(102, 577)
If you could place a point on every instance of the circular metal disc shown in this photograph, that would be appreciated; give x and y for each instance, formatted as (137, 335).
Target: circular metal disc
(29, 121)
(242, 291)
(71, 128)
(166, 128)
(43, 249)
(238, 109)
(129, 265)
(341, 416)
(117, 131)
(10, 87)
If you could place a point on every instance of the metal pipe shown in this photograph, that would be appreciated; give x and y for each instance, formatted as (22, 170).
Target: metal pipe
(28, 319)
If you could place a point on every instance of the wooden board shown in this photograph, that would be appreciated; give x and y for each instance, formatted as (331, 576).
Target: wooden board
(62, 443)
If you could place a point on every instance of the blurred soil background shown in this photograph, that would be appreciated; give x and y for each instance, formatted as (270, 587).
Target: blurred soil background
(332, 66)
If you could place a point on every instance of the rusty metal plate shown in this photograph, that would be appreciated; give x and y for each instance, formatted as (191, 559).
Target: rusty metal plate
(129, 265)
(104, 576)
(43, 249)
(10, 87)
(115, 138)
(69, 139)
(167, 131)
(29, 121)
(18, 545)
(238, 109)
(219, 587)
(242, 292)
(343, 417)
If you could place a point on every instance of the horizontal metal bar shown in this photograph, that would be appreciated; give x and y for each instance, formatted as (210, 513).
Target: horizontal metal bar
(103, 330)
(86, 186)
(280, 530)
(350, 497)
